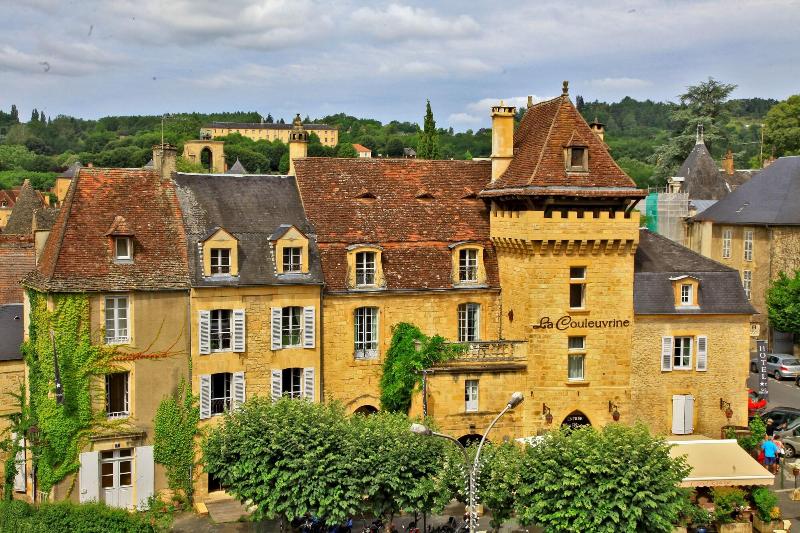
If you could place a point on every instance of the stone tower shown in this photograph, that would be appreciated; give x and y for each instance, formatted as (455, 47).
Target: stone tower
(298, 142)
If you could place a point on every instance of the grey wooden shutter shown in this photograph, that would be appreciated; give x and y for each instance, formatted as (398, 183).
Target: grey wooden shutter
(276, 328)
(688, 415)
(205, 396)
(309, 334)
(238, 390)
(145, 475)
(204, 332)
(89, 477)
(308, 383)
(702, 353)
(20, 483)
(666, 353)
(277, 384)
(239, 332)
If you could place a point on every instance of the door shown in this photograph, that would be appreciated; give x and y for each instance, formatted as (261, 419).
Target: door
(116, 478)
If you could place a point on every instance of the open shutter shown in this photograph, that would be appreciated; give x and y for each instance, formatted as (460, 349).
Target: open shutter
(309, 334)
(666, 353)
(238, 330)
(702, 353)
(89, 477)
(205, 396)
(19, 461)
(688, 415)
(308, 383)
(276, 328)
(678, 414)
(204, 332)
(277, 384)
(238, 390)
(145, 475)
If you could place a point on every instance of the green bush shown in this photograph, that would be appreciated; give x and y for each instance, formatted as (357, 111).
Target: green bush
(727, 503)
(20, 517)
(757, 432)
(764, 501)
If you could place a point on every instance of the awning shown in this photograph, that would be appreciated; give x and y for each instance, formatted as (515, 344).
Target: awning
(719, 463)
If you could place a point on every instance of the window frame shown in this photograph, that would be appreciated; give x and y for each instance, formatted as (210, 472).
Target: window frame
(289, 328)
(366, 270)
(575, 352)
(128, 248)
(220, 269)
(291, 393)
(125, 411)
(469, 322)
(226, 400)
(365, 340)
(216, 329)
(687, 294)
(468, 263)
(747, 244)
(117, 320)
(686, 342)
(292, 267)
(569, 156)
(471, 395)
(747, 283)
(727, 240)
(578, 281)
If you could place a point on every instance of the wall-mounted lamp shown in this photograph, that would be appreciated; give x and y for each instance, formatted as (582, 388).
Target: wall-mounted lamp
(726, 406)
(548, 416)
(614, 410)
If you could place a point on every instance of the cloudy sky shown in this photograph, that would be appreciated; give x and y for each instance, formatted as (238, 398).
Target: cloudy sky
(382, 59)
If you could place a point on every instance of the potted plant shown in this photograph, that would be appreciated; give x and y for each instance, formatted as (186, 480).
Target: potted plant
(700, 518)
(728, 502)
(767, 511)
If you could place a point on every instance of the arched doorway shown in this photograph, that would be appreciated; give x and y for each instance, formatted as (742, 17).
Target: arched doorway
(576, 419)
(207, 158)
(366, 410)
(472, 439)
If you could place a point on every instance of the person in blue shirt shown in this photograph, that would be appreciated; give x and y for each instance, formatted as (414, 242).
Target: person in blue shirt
(770, 453)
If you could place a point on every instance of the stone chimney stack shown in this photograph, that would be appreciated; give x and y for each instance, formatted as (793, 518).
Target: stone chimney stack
(727, 162)
(598, 128)
(298, 142)
(165, 160)
(502, 138)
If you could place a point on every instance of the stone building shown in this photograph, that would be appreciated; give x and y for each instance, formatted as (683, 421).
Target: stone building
(12, 377)
(328, 135)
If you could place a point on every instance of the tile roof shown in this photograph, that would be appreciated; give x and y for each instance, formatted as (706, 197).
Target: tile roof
(9, 197)
(44, 218)
(237, 168)
(538, 164)
(361, 148)
(358, 201)
(20, 221)
(658, 259)
(251, 208)
(11, 329)
(78, 256)
(772, 196)
(266, 126)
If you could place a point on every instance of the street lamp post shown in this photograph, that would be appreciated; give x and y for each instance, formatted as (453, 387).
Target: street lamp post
(472, 472)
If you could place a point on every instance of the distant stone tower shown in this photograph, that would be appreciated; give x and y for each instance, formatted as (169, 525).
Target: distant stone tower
(298, 142)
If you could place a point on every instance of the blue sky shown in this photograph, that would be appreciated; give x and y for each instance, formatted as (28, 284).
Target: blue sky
(382, 59)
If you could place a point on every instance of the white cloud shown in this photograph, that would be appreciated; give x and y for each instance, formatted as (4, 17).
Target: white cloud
(67, 59)
(407, 22)
(620, 84)
(484, 105)
(460, 119)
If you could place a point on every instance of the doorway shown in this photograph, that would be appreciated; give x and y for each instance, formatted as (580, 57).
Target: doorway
(576, 419)
(116, 478)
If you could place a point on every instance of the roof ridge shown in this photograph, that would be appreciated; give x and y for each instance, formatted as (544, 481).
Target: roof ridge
(549, 134)
(63, 217)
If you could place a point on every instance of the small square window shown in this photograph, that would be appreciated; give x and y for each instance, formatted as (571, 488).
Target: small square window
(123, 248)
(576, 159)
(292, 259)
(577, 272)
(576, 343)
(220, 261)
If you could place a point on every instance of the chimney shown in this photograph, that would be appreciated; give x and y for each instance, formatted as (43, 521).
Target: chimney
(727, 163)
(598, 128)
(165, 160)
(530, 101)
(298, 142)
(502, 138)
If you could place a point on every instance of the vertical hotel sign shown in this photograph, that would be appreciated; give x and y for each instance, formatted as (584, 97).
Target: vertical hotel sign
(763, 379)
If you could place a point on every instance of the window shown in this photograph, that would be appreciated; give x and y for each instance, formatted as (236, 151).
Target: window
(220, 261)
(469, 322)
(220, 330)
(366, 333)
(468, 265)
(220, 393)
(116, 470)
(577, 287)
(291, 328)
(365, 268)
(291, 259)
(117, 320)
(117, 395)
(727, 237)
(682, 353)
(291, 379)
(686, 294)
(748, 245)
(123, 248)
(577, 160)
(576, 358)
(471, 395)
(747, 282)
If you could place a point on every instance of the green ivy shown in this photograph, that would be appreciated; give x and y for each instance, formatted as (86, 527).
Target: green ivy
(174, 443)
(19, 424)
(410, 352)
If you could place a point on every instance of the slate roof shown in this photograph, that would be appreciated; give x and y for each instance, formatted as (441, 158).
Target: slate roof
(20, 221)
(11, 329)
(251, 208)
(45, 218)
(237, 168)
(703, 180)
(72, 170)
(265, 126)
(537, 168)
(413, 208)
(78, 256)
(771, 197)
(658, 259)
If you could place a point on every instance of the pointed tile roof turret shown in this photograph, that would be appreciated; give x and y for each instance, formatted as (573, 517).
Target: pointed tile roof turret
(20, 222)
(237, 168)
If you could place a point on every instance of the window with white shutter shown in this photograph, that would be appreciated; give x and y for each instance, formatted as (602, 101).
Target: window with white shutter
(204, 332)
(277, 389)
(308, 383)
(205, 396)
(89, 477)
(682, 414)
(276, 328)
(309, 321)
(238, 390)
(239, 332)
(666, 353)
(702, 353)
(145, 475)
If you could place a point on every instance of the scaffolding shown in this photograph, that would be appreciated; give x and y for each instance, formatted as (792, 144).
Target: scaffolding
(672, 211)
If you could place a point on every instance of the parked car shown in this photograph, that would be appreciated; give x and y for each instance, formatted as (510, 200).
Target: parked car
(790, 428)
(779, 365)
(755, 403)
(791, 442)
(781, 416)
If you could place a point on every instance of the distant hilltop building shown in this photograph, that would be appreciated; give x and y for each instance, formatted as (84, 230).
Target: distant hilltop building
(328, 135)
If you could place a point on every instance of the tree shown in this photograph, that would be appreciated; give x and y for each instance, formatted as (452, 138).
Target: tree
(782, 127)
(580, 105)
(394, 147)
(269, 119)
(283, 166)
(346, 150)
(14, 113)
(428, 147)
(618, 478)
(34, 115)
(499, 480)
(783, 303)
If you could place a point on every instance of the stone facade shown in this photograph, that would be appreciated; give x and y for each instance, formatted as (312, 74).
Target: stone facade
(12, 375)
(328, 135)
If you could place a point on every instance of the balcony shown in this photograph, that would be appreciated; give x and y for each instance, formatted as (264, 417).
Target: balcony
(488, 355)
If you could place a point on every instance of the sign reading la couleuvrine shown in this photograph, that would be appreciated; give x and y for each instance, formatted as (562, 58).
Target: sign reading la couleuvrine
(568, 322)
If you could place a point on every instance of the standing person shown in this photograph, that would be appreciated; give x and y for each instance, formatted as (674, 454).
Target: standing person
(781, 451)
(770, 454)
(770, 429)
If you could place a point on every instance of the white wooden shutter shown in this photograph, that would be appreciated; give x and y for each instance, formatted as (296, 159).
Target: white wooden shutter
(702, 353)
(238, 390)
(145, 475)
(688, 415)
(308, 383)
(678, 414)
(309, 333)
(277, 384)
(89, 477)
(239, 332)
(20, 483)
(666, 353)
(204, 332)
(276, 328)
(205, 396)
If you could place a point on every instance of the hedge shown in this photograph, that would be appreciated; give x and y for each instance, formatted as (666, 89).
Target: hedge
(20, 517)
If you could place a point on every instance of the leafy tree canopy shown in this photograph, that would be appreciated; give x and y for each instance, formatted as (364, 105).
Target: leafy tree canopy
(783, 303)
(782, 127)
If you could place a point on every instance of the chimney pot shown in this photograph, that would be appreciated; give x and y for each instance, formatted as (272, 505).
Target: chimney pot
(165, 160)
(502, 138)
(530, 101)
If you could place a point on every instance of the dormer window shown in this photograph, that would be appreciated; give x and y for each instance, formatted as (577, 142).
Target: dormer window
(577, 159)
(468, 265)
(365, 268)
(686, 294)
(292, 259)
(220, 261)
(123, 249)
(290, 250)
(685, 288)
